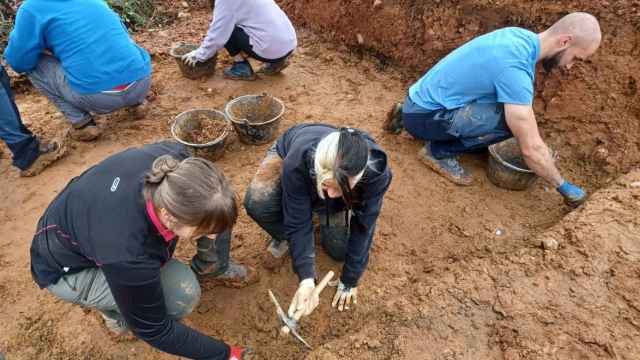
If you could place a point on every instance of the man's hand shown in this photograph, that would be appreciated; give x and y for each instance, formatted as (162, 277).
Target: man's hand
(573, 195)
(190, 58)
(522, 123)
(344, 296)
(304, 301)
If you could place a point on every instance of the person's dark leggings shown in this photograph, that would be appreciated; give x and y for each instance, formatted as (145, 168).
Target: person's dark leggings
(263, 202)
(212, 257)
(23, 144)
(453, 132)
(239, 42)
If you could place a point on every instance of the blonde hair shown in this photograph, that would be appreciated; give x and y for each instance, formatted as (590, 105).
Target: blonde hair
(325, 160)
(343, 156)
(193, 191)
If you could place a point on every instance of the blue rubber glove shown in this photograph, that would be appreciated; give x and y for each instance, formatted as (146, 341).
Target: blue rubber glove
(573, 195)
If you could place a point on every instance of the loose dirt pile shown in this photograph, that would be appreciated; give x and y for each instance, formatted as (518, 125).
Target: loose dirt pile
(208, 131)
(455, 273)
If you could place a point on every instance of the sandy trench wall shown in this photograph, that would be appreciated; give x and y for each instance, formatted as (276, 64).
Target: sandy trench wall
(592, 112)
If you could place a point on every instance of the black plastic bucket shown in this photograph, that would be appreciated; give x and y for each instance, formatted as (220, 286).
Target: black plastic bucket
(255, 118)
(190, 121)
(506, 167)
(200, 69)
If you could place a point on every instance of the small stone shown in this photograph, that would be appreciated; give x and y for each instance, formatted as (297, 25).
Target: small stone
(498, 232)
(209, 90)
(182, 15)
(550, 244)
(373, 344)
(184, 4)
(377, 4)
(635, 184)
(360, 39)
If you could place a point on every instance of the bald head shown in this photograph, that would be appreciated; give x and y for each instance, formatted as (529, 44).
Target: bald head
(582, 27)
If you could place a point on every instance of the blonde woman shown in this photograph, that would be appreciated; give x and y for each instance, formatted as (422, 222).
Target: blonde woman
(341, 174)
(106, 242)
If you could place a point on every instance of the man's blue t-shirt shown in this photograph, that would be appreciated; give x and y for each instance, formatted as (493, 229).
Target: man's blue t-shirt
(495, 67)
(86, 36)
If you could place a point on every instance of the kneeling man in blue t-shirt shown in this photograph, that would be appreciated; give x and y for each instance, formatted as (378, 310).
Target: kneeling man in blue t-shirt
(482, 93)
(79, 54)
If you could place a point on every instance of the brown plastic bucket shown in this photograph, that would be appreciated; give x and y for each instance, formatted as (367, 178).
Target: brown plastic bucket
(200, 69)
(188, 123)
(506, 167)
(255, 118)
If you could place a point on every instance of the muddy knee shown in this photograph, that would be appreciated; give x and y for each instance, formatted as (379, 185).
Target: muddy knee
(181, 289)
(263, 196)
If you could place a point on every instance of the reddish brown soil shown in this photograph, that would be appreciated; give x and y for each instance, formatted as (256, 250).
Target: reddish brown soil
(443, 282)
(590, 112)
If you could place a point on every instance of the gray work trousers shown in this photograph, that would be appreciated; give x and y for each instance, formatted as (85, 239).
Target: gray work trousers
(49, 78)
(181, 289)
(89, 288)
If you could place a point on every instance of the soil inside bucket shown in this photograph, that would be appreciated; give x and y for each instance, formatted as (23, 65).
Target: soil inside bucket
(207, 132)
(262, 110)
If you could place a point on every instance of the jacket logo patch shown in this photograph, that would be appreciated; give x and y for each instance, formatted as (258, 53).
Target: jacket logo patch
(114, 186)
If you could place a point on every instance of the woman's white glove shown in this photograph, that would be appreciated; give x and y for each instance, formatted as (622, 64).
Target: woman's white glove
(344, 296)
(305, 300)
(190, 58)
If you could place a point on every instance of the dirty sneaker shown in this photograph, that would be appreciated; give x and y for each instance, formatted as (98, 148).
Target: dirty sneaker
(276, 254)
(270, 69)
(236, 276)
(48, 153)
(449, 168)
(86, 132)
(393, 122)
(139, 111)
(116, 326)
(240, 71)
(239, 353)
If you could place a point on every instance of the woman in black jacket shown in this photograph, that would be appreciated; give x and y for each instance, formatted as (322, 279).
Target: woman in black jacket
(341, 174)
(107, 240)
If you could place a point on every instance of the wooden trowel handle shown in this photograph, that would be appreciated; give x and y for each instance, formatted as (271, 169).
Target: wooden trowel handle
(323, 283)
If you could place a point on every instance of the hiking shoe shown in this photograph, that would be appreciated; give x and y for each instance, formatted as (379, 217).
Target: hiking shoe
(116, 326)
(236, 276)
(240, 71)
(139, 111)
(87, 131)
(271, 69)
(238, 353)
(449, 168)
(276, 254)
(48, 153)
(393, 122)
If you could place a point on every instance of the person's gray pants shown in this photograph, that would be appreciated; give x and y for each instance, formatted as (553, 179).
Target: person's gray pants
(49, 78)
(89, 288)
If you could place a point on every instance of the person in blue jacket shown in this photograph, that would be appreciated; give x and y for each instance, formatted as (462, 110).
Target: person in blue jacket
(107, 240)
(482, 93)
(78, 53)
(342, 175)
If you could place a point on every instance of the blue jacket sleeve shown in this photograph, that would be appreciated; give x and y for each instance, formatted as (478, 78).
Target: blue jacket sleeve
(137, 290)
(26, 42)
(297, 211)
(362, 227)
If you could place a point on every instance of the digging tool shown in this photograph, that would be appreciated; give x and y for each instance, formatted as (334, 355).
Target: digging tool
(291, 324)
